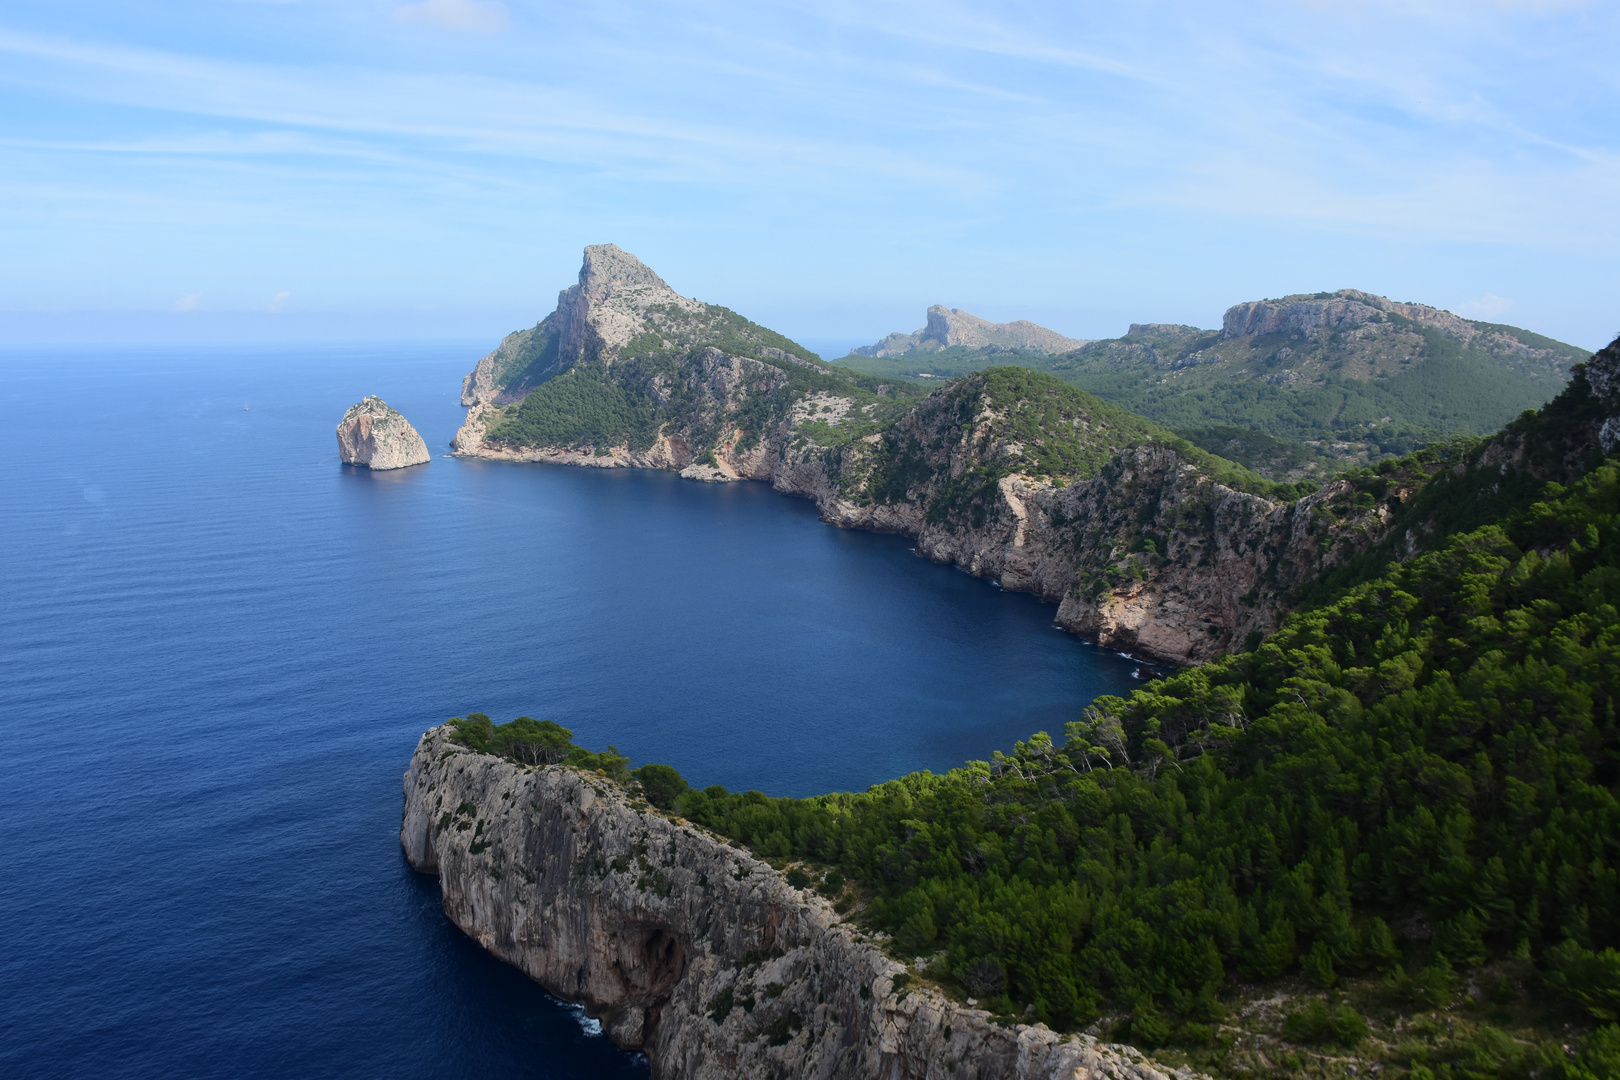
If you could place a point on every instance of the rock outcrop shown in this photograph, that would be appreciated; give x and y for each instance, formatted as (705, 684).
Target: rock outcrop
(1151, 555)
(690, 949)
(952, 327)
(376, 437)
(594, 319)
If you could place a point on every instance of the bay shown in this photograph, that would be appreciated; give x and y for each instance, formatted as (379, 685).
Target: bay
(218, 647)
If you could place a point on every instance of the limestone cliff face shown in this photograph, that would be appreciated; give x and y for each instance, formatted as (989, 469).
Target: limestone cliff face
(375, 436)
(595, 317)
(1150, 556)
(688, 948)
(952, 327)
(1356, 321)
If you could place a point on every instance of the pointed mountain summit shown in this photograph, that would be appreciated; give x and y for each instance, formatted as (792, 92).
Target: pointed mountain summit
(622, 330)
(954, 328)
(618, 304)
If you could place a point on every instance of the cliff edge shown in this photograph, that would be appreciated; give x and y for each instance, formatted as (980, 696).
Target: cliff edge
(688, 948)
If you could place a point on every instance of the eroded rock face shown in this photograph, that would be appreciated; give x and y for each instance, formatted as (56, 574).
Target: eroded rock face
(375, 436)
(594, 319)
(689, 948)
(1150, 557)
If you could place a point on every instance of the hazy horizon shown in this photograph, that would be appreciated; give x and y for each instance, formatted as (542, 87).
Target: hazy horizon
(369, 169)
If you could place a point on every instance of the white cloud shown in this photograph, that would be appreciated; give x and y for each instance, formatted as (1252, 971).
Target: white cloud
(469, 16)
(187, 302)
(278, 303)
(1488, 307)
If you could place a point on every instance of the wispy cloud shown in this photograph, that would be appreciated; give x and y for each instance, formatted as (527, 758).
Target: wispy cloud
(187, 302)
(467, 16)
(937, 138)
(1489, 307)
(468, 113)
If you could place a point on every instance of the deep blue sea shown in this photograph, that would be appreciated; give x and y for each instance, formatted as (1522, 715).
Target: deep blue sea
(218, 648)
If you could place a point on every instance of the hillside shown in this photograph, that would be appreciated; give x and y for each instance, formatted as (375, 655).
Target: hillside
(1299, 387)
(1377, 831)
(1386, 838)
(1144, 541)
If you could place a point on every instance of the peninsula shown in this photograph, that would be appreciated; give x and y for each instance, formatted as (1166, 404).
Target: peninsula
(1146, 542)
(1385, 837)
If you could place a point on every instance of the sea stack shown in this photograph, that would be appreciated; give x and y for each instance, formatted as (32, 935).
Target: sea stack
(375, 436)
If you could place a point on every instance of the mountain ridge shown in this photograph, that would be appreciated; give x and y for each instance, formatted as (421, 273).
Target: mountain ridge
(1301, 386)
(1144, 541)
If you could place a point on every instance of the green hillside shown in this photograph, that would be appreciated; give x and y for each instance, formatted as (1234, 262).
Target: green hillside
(1385, 838)
(1295, 403)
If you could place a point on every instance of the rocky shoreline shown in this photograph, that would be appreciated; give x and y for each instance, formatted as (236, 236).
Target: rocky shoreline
(688, 948)
(1195, 598)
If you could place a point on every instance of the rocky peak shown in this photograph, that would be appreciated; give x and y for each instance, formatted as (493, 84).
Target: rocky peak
(952, 327)
(608, 307)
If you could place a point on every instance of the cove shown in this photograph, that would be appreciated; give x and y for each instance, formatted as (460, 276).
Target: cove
(218, 647)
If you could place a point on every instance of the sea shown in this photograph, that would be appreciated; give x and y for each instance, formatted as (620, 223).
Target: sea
(219, 646)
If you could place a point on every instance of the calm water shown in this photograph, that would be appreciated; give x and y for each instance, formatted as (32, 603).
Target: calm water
(218, 647)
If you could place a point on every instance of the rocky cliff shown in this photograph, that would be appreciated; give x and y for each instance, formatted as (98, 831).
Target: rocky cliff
(1304, 385)
(375, 436)
(948, 328)
(687, 947)
(1147, 543)
(1148, 552)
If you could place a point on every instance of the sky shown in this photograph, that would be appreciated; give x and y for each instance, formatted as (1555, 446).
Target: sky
(249, 169)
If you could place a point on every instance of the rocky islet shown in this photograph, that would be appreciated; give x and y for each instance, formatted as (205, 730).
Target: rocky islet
(374, 436)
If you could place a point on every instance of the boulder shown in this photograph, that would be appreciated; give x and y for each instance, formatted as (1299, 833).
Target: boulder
(375, 436)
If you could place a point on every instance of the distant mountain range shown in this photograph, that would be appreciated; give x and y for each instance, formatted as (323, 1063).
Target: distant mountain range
(1294, 388)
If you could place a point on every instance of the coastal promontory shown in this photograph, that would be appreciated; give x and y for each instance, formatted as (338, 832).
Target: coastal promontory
(377, 437)
(689, 948)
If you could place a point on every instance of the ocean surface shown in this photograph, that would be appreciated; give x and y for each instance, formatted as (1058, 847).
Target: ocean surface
(218, 648)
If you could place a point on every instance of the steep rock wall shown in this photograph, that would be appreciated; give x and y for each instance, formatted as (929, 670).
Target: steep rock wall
(653, 924)
(377, 437)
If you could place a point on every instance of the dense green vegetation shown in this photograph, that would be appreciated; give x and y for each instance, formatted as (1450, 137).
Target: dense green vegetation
(535, 742)
(526, 358)
(1416, 780)
(584, 406)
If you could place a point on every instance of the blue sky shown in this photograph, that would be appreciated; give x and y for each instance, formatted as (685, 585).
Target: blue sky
(258, 168)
